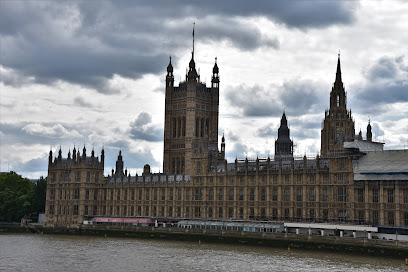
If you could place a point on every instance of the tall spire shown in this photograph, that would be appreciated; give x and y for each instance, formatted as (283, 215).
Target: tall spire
(193, 40)
(338, 72)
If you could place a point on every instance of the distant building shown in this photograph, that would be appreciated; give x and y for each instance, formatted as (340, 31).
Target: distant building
(353, 181)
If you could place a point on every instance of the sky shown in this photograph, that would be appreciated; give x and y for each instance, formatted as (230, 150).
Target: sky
(93, 73)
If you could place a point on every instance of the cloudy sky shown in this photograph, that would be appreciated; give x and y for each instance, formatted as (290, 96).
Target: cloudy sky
(93, 72)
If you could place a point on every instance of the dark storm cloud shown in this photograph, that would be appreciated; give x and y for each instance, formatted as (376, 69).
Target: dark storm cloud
(385, 83)
(88, 42)
(142, 129)
(297, 97)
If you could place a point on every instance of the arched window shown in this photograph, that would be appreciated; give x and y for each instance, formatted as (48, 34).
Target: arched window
(338, 100)
(202, 128)
(184, 126)
(174, 127)
(197, 127)
(179, 128)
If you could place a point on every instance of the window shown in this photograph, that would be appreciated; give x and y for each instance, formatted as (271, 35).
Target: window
(312, 214)
(375, 195)
(390, 195)
(274, 213)
(140, 194)
(155, 194)
(342, 215)
(341, 163)
(118, 195)
(325, 215)
(361, 217)
(391, 218)
(86, 194)
(95, 193)
(360, 195)
(299, 194)
(251, 213)
(286, 213)
(220, 194)
(405, 196)
(94, 210)
(230, 212)
(287, 194)
(211, 194)
(299, 214)
(312, 194)
(179, 194)
(75, 209)
(88, 177)
(187, 194)
(86, 210)
(125, 194)
(147, 196)
(274, 194)
(241, 194)
(197, 194)
(251, 195)
(171, 193)
(342, 197)
(263, 194)
(133, 195)
(163, 194)
(210, 212)
(263, 212)
(375, 217)
(325, 194)
(76, 194)
(96, 177)
(231, 195)
(220, 212)
(241, 213)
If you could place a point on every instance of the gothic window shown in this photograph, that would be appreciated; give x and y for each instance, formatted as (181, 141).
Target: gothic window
(184, 126)
(210, 212)
(275, 194)
(211, 194)
(312, 194)
(299, 194)
(231, 195)
(360, 195)
(202, 128)
(197, 127)
(391, 218)
(405, 192)
(207, 126)
(342, 197)
(220, 212)
(220, 194)
(241, 194)
(174, 127)
(263, 194)
(147, 194)
(325, 194)
(287, 194)
(155, 194)
(390, 195)
(338, 100)
(375, 195)
(171, 193)
(252, 195)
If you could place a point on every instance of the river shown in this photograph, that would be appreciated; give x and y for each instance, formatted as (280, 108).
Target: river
(30, 252)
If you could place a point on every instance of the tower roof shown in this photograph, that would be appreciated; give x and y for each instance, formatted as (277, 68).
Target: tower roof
(338, 71)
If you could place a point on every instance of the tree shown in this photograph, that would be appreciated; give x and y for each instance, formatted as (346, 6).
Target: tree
(16, 197)
(40, 190)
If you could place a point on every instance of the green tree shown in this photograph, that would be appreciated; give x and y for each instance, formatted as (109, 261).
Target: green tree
(40, 190)
(16, 197)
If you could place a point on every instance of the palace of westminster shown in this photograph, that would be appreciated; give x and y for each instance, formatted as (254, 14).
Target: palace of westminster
(353, 180)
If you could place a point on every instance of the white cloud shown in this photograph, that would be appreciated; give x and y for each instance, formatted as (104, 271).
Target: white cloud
(55, 131)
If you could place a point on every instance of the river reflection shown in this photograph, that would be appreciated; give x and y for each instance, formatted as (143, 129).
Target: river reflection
(79, 253)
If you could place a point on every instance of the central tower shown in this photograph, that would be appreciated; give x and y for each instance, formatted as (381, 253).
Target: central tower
(191, 122)
(338, 125)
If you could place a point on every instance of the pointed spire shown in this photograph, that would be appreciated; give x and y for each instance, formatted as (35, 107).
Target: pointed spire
(193, 40)
(338, 72)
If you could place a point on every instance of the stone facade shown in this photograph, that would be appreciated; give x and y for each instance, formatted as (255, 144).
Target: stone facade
(199, 183)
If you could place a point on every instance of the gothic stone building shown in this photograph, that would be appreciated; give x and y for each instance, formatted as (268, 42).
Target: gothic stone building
(353, 181)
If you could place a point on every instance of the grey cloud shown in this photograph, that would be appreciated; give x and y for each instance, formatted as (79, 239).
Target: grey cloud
(80, 101)
(268, 131)
(385, 68)
(87, 43)
(142, 129)
(385, 83)
(297, 97)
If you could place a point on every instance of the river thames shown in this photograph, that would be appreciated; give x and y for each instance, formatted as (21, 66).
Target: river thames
(29, 252)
